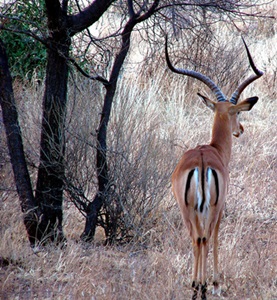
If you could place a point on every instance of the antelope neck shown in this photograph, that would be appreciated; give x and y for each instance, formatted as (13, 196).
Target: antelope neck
(222, 135)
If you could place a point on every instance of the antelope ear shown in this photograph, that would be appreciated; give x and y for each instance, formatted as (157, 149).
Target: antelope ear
(209, 103)
(244, 105)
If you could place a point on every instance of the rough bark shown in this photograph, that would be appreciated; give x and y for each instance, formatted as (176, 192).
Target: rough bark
(50, 181)
(49, 188)
(16, 150)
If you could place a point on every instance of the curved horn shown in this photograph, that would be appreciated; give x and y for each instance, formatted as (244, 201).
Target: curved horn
(246, 82)
(214, 88)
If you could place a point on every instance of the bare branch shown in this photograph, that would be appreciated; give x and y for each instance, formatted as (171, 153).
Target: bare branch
(97, 77)
(88, 16)
(131, 8)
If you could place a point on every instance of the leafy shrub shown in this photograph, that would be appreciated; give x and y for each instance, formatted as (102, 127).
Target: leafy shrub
(26, 55)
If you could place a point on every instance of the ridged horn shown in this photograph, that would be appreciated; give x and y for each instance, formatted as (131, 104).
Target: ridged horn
(206, 80)
(246, 82)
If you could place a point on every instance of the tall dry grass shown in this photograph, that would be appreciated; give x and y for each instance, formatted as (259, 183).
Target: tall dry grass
(154, 120)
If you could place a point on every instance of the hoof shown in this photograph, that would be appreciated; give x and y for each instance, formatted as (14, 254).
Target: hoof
(203, 291)
(216, 289)
(195, 287)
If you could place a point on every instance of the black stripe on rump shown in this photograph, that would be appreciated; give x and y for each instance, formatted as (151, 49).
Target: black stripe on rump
(216, 185)
(188, 185)
(203, 188)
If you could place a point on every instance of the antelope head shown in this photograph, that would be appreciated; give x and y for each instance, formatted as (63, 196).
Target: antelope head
(231, 106)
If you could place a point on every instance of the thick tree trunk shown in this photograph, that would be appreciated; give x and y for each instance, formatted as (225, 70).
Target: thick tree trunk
(15, 145)
(50, 182)
(49, 189)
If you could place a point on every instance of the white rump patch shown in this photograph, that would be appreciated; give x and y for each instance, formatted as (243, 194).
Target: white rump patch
(208, 187)
(197, 188)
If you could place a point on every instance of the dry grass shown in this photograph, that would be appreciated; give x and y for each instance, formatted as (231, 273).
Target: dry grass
(161, 268)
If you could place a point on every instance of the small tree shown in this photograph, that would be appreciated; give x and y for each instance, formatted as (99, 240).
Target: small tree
(46, 205)
(105, 190)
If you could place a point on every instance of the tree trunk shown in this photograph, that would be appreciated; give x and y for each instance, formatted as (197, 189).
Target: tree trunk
(95, 206)
(50, 182)
(104, 191)
(15, 145)
(49, 189)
